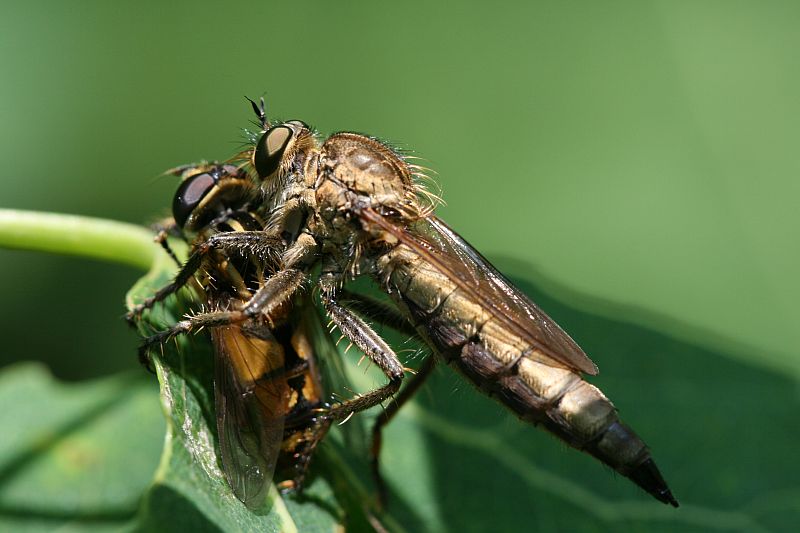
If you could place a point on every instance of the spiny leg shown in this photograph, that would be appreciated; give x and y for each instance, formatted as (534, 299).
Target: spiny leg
(340, 314)
(389, 316)
(276, 292)
(369, 342)
(252, 242)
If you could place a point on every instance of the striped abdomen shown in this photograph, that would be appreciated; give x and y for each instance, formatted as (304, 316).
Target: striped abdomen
(466, 335)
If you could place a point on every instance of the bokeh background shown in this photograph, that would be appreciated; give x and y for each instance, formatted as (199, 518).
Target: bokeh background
(633, 164)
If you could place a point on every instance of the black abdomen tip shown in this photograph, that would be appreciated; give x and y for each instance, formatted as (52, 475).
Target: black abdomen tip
(647, 476)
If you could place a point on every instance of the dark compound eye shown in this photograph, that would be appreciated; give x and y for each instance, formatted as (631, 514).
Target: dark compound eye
(269, 150)
(189, 195)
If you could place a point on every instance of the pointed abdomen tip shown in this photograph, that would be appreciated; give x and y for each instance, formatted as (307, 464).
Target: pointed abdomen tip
(648, 477)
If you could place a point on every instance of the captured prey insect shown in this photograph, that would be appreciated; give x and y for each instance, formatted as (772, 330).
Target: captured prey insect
(350, 206)
(267, 385)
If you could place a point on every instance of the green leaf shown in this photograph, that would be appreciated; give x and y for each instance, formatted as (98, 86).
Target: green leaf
(74, 456)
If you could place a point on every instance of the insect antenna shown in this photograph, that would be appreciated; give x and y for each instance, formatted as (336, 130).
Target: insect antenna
(260, 111)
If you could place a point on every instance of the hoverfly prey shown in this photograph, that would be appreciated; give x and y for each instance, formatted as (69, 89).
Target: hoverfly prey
(267, 386)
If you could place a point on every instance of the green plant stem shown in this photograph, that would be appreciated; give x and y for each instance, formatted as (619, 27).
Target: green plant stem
(95, 238)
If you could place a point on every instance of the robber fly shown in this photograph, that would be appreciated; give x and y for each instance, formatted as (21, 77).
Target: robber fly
(351, 206)
(267, 385)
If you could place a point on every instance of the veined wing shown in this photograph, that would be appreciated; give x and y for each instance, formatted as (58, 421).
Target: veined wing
(443, 248)
(251, 396)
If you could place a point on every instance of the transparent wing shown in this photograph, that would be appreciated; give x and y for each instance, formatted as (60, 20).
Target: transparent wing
(444, 249)
(251, 397)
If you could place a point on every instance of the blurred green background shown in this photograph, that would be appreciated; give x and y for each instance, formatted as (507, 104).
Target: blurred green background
(627, 161)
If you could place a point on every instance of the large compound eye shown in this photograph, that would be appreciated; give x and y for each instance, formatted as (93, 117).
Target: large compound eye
(269, 150)
(189, 195)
